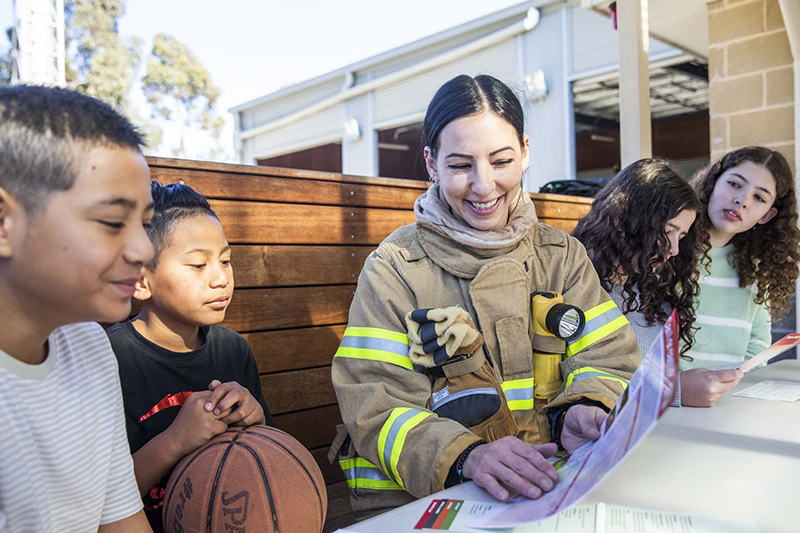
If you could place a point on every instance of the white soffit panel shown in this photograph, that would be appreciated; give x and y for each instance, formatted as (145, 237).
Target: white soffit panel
(681, 23)
(290, 103)
(412, 95)
(595, 42)
(319, 128)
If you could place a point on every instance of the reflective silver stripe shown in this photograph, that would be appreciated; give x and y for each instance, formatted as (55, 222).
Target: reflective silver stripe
(519, 394)
(598, 327)
(601, 320)
(486, 391)
(397, 425)
(374, 343)
(364, 472)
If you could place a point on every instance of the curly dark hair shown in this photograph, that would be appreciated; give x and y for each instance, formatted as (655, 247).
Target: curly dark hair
(766, 254)
(626, 238)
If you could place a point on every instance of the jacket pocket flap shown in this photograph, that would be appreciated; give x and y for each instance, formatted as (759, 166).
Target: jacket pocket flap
(516, 352)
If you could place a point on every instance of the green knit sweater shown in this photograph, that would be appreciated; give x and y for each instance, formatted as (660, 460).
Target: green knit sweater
(733, 328)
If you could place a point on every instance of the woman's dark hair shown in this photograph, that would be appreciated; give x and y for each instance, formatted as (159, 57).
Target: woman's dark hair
(171, 204)
(463, 96)
(766, 254)
(626, 239)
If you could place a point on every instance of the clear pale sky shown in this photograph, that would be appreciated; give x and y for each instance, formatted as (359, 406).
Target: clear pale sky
(254, 47)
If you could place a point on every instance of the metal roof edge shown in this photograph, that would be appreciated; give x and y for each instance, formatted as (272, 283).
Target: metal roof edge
(405, 49)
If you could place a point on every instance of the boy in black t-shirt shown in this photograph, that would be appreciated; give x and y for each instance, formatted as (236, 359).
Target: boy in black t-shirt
(184, 379)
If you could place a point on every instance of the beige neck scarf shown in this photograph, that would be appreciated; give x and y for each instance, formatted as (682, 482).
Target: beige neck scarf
(460, 248)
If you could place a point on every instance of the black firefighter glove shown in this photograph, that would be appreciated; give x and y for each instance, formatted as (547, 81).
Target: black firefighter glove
(435, 335)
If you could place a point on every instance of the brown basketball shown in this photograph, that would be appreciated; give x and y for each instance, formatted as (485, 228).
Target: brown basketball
(258, 478)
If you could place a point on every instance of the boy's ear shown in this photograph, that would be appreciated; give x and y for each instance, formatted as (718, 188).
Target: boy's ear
(769, 216)
(10, 211)
(143, 291)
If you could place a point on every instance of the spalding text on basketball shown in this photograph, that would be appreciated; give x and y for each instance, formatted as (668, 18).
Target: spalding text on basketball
(237, 512)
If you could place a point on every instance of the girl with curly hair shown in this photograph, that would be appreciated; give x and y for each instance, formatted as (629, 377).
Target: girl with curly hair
(642, 239)
(749, 209)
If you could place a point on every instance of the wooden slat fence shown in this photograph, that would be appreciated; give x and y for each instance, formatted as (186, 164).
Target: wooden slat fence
(299, 241)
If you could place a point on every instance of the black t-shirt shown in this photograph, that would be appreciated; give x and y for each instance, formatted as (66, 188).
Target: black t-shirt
(156, 382)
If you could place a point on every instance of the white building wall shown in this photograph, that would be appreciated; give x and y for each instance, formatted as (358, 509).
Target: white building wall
(549, 121)
(360, 156)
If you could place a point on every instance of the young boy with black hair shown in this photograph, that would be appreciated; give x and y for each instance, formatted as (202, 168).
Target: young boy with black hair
(74, 200)
(184, 379)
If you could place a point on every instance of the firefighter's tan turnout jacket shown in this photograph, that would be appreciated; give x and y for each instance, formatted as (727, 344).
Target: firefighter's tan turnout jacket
(398, 449)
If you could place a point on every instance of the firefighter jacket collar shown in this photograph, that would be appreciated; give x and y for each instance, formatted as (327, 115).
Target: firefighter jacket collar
(433, 208)
(462, 250)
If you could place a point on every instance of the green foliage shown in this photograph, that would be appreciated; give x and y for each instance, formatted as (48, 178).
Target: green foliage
(177, 83)
(105, 65)
(101, 63)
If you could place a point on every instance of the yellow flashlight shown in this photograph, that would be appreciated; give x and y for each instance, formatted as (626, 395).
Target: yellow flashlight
(554, 325)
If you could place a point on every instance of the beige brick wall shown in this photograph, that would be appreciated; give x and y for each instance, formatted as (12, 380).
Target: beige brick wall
(751, 87)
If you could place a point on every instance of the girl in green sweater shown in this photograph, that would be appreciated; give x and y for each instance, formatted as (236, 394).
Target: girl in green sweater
(749, 210)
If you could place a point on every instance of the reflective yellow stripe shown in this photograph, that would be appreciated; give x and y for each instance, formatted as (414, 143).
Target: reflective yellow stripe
(377, 333)
(393, 436)
(589, 372)
(373, 484)
(591, 338)
(361, 474)
(375, 355)
(520, 405)
(524, 383)
(599, 310)
(355, 462)
(376, 344)
(519, 394)
(385, 433)
(601, 321)
(401, 440)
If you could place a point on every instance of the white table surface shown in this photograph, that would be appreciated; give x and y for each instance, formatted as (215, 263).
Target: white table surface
(740, 457)
(747, 416)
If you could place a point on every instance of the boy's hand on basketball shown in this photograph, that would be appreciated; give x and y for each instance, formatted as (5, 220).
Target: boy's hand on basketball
(701, 387)
(232, 398)
(194, 426)
(581, 425)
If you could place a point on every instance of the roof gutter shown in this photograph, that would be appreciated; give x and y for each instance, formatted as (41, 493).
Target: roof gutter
(348, 91)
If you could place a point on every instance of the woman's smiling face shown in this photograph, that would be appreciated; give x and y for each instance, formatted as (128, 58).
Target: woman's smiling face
(479, 165)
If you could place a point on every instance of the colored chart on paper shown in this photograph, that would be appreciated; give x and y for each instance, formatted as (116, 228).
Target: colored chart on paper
(440, 514)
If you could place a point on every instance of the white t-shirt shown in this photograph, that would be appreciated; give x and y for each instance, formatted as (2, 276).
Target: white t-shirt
(65, 464)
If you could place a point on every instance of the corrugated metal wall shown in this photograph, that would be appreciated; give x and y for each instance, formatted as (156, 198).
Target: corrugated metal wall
(316, 129)
(320, 128)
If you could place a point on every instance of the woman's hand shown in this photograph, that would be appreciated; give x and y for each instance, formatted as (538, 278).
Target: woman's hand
(701, 387)
(581, 425)
(513, 463)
